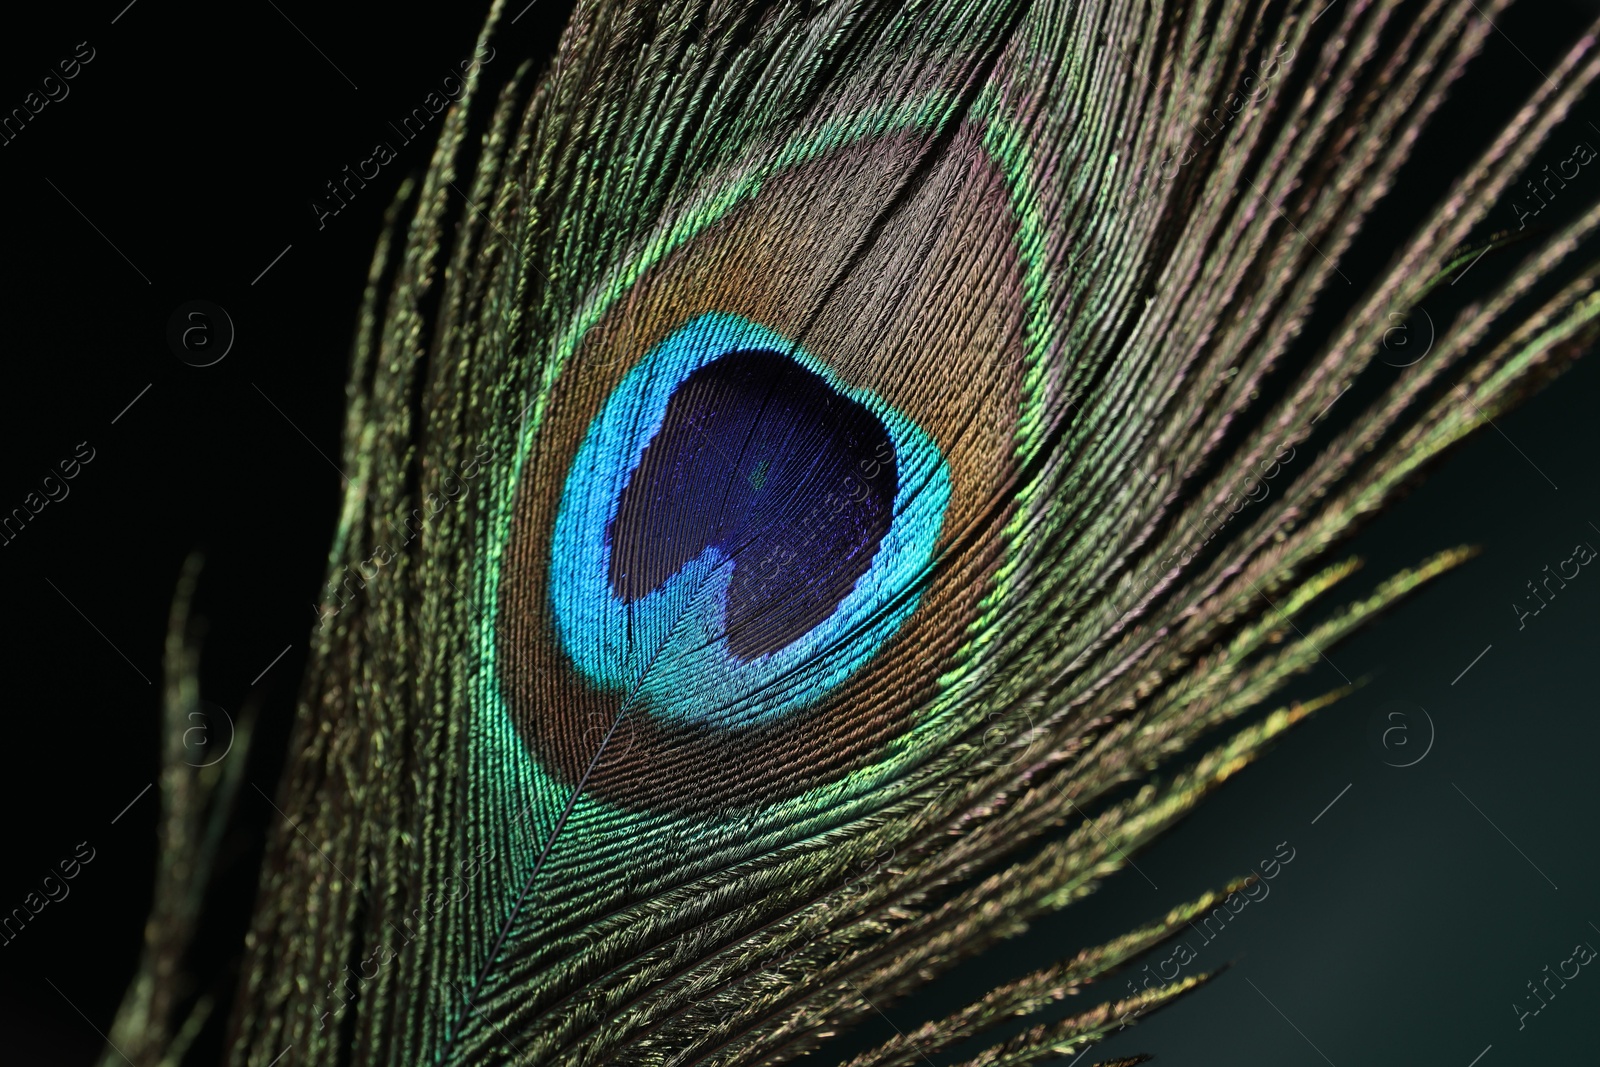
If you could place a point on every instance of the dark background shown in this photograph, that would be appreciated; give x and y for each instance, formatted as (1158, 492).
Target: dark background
(181, 166)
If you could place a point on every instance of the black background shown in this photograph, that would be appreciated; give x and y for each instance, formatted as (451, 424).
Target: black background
(185, 160)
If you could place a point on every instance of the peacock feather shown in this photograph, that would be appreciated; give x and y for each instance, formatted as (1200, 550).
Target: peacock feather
(830, 481)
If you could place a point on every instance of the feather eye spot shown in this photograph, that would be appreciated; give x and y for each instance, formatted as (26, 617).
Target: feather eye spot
(762, 508)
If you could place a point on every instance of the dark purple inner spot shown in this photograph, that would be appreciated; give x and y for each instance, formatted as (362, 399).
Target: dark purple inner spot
(791, 480)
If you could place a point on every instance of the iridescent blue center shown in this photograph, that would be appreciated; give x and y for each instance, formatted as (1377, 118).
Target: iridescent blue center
(747, 443)
(740, 531)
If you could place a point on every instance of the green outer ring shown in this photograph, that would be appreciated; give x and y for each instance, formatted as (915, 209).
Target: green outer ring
(506, 748)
